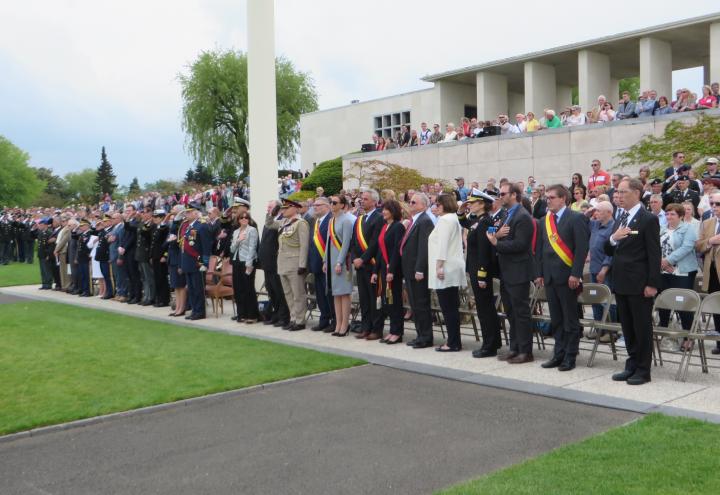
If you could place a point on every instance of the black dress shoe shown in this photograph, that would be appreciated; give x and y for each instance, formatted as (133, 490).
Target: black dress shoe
(288, 325)
(553, 363)
(716, 350)
(132, 301)
(521, 358)
(638, 380)
(234, 318)
(422, 345)
(319, 328)
(297, 327)
(483, 353)
(567, 366)
(622, 376)
(390, 342)
(507, 355)
(281, 323)
(195, 317)
(269, 322)
(412, 342)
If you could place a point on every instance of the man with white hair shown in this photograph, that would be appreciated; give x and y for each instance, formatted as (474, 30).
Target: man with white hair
(552, 121)
(601, 226)
(708, 244)
(595, 112)
(450, 134)
(520, 124)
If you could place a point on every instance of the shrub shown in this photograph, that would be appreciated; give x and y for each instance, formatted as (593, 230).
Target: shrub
(327, 175)
(302, 195)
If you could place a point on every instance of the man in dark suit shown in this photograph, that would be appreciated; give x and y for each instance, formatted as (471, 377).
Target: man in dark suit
(563, 243)
(513, 243)
(678, 158)
(277, 312)
(362, 250)
(194, 259)
(414, 258)
(635, 248)
(126, 253)
(316, 252)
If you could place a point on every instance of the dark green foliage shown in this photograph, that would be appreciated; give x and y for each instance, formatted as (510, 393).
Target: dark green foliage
(105, 178)
(19, 184)
(134, 188)
(328, 175)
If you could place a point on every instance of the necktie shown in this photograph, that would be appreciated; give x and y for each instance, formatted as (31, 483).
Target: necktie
(404, 239)
(619, 213)
(624, 219)
(556, 218)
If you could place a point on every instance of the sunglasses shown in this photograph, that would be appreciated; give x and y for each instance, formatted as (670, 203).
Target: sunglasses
(714, 203)
(335, 203)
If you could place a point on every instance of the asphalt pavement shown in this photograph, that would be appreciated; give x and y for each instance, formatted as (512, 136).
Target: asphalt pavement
(369, 429)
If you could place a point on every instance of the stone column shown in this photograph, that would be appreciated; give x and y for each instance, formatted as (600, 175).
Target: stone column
(656, 66)
(540, 91)
(563, 97)
(715, 52)
(614, 96)
(593, 77)
(492, 95)
(262, 112)
(516, 105)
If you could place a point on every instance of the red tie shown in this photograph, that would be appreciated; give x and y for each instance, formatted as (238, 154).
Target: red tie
(407, 233)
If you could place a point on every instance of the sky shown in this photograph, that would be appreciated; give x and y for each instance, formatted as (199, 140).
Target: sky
(76, 75)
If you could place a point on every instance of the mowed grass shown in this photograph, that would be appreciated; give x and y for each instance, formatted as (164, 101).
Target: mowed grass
(60, 363)
(657, 454)
(20, 274)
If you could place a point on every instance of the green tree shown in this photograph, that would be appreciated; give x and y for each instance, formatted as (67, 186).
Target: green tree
(81, 186)
(328, 175)
(105, 178)
(380, 175)
(189, 176)
(19, 185)
(134, 188)
(55, 192)
(165, 186)
(629, 84)
(697, 140)
(215, 109)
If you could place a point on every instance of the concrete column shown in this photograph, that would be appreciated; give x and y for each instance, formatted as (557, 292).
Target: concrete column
(593, 77)
(492, 95)
(262, 110)
(706, 71)
(715, 52)
(614, 96)
(655, 66)
(516, 105)
(540, 91)
(563, 97)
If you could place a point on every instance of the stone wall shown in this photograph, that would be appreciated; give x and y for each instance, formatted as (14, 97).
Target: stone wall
(550, 156)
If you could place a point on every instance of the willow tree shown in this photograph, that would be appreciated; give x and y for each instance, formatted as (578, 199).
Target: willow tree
(215, 109)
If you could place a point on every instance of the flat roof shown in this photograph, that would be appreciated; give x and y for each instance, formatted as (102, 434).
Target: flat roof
(690, 40)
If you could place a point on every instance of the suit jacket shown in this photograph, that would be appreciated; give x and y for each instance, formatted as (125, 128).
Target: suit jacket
(315, 258)
(415, 251)
(268, 249)
(707, 230)
(393, 237)
(61, 245)
(636, 259)
(371, 231)
(539, 209)
(677, 196)
(515, 250)
(574, 232)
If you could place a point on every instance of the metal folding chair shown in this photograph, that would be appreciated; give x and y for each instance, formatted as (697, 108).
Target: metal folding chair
(675, 300)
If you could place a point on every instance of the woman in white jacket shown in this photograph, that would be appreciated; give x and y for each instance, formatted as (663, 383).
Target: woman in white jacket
(446, 268)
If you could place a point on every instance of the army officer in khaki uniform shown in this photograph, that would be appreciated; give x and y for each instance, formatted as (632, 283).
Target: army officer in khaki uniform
(294, 240)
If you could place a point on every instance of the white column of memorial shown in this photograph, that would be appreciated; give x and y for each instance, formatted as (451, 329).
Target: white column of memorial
(656, 66)
(262, 113)
(714, 52)
(540, 87)
(492, 95)
(593, 78)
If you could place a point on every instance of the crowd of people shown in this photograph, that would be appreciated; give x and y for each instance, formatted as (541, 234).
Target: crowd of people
(395, 249)
(648, 104)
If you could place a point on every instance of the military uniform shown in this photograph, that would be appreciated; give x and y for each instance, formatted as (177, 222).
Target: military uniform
(159, 262)
(83, 263)
(294, 240)
(44, 250)
(195, 252)
(142, 256)
(102, 256)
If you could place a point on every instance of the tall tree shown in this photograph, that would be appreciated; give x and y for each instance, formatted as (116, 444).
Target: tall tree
(215, 109)
(134, 188)
(81, 186)
(19, 185)
(202, 175)
(105, 178)
(55, 192)
(190, 176)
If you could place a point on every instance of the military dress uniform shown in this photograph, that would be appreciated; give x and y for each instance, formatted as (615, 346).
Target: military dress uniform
(102, 256)
(159, 262)
(142, 256)
(294, 240)
(83, 263)
(195, 247)
(44, 250)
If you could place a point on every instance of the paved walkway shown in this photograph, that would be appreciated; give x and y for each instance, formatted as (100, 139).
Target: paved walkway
(698, 397)
(370, 429)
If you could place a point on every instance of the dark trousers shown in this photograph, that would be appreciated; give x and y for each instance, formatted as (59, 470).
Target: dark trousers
(371, 318)
(449, 299)
(244, 291)
(325, 302)
(74, 277)
(29, 250)
(564, 321)
(516, 300)
(84, 277)
(196, 292)
(105, 270)
(671, 281)
(162, 286)
(133, 272)
(395, 311)
(56, 272)
(635, 313)
(277, 308)
(46, 273)
(714, 286)
(20, 249)
(419, 297)
(487, 314)
(4, 249)
(148, 280)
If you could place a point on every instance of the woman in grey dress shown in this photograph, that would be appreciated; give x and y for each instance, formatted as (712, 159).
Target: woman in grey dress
(337, 265)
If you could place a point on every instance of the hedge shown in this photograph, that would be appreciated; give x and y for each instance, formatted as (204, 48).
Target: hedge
(302, 195)
(327, 175)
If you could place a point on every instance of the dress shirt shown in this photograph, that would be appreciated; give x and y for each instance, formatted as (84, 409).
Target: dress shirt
(631, 214)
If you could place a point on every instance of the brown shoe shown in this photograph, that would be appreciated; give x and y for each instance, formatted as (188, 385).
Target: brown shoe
(521, 358)
(373, 336)
(362, 335)
(507, 355)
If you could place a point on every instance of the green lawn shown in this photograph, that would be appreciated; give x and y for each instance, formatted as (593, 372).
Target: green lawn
(657, 454)
(20, 274)
(59, 363)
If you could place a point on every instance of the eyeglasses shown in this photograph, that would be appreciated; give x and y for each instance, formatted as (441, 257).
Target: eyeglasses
(413, 202)
(551, 197)
(594, 164)
(335, 203)
(714, 203)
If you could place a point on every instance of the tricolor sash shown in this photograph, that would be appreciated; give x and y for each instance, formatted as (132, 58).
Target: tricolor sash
(558, 245)
(318, 239)
(333, 238)
(362, 242)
